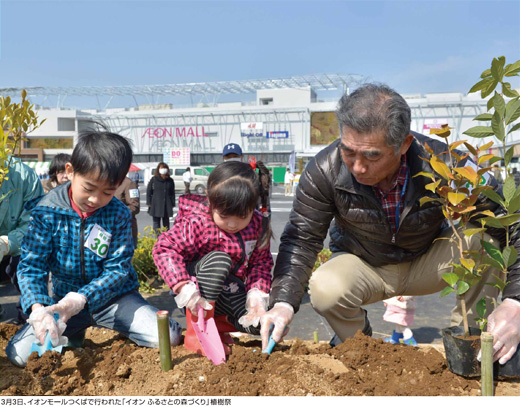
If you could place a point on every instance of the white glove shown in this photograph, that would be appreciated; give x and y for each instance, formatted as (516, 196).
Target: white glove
(69, 306)
(189, 297)
(256, 306)
(281, 315)
(42, 320)
(4, 247)
(504, 324)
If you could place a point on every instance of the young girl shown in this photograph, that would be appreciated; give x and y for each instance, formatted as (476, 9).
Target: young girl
(217, 255)
(401, 311)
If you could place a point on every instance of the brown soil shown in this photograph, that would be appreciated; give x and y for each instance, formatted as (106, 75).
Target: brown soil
(110, 365)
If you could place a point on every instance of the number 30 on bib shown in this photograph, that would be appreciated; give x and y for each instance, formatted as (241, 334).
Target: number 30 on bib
(98, 241)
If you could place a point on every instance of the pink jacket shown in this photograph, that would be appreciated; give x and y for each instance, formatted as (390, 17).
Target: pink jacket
(194, 235)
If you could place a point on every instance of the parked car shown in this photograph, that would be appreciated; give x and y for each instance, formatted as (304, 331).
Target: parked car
(200, 178)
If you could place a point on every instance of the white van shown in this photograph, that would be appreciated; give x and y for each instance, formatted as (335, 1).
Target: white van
(200, 178)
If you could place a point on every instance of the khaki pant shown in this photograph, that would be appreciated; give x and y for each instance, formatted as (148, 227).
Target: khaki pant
(288, 188)
(341, 286)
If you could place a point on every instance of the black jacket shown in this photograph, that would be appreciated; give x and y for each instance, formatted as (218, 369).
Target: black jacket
(327, 191)
(160, 196)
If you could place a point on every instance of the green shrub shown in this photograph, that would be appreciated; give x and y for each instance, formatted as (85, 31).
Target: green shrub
(143, 263)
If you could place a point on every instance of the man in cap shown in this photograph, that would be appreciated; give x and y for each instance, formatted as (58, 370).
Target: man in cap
(232, 152)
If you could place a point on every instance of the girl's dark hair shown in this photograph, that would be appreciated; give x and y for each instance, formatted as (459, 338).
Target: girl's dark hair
(107, 154)
(234, 189)
(159, 166)
(58, 165)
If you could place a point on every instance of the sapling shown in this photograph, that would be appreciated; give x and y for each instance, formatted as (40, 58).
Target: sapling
(457, 183)
(16, 120)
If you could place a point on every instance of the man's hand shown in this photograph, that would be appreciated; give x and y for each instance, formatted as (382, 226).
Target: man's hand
(42, 320)
(69, 306)
(189, 297)
(256, 306)
(279, 317)
(4, 247)
(504, 324)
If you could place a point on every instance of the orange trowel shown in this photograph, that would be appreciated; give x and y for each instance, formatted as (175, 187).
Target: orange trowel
(209, 338)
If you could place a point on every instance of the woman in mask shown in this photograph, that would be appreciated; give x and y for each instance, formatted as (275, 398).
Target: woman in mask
(160, 197)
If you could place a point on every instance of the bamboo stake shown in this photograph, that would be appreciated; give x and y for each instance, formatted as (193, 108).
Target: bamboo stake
(163, 325)
(486, 340)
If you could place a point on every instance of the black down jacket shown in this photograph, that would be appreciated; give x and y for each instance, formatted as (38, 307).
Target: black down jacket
(327, 191)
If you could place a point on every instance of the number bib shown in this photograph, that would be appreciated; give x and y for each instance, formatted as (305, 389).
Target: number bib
(98, 241)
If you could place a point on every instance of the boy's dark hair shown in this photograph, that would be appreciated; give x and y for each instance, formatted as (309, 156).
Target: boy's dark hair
(234, 189)
(107, 154)
(58, 165)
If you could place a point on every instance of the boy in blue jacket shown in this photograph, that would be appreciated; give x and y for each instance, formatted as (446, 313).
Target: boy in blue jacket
(82, 235)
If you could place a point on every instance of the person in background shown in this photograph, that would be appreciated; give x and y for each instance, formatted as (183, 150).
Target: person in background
(187, 178)
(81, 233)
(160, 196)
(129, 195)
(57, 173)
(400, 310)
(497, 173)
(288, 180)
(21, 186)
(232, 152)
(516, 176)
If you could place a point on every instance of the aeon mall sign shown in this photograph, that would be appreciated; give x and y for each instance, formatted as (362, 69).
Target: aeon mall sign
(174, 132)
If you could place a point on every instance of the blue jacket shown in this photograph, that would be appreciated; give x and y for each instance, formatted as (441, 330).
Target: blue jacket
(56, 242)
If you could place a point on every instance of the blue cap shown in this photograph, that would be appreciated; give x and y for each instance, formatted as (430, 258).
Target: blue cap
(232, 148)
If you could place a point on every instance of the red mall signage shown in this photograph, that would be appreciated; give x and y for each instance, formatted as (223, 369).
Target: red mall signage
(170, 132)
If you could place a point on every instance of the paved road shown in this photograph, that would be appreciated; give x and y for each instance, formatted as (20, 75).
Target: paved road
(431, 316)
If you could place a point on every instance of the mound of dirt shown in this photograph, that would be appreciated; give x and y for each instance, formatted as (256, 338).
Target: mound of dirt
(110, 365)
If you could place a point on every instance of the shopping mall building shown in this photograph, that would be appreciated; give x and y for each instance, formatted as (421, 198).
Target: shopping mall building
(271, 119)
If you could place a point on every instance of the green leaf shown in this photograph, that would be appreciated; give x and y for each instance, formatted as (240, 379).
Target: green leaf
(512, 69)
(492, 262)
(486, 92)
(500, 104)
(479, 132)
(497, 68)
(446, 291)
(510, 256)
(493, 196)
(490, 103)
(462, 288)
(481, 307)
(493, 252)
(472, 231)
(514, 205)
(509, 155)
(486, 73)
(508, 92)
(484, 117)
(483, 84)
(512, 111)
(450, 278)
(509, 189)
(514, 128)
(498, 126)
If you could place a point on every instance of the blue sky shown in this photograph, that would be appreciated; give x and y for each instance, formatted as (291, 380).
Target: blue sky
(414, 46)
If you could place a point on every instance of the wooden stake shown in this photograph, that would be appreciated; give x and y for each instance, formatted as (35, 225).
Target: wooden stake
(163, 325)
(316, 337)
(486, 367)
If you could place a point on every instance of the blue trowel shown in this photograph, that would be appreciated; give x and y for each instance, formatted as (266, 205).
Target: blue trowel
(47, 344)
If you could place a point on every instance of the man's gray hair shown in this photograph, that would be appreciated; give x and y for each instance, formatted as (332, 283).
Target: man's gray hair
(375, 108)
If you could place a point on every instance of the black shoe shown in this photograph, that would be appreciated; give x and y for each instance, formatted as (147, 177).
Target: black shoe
(367, 330)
